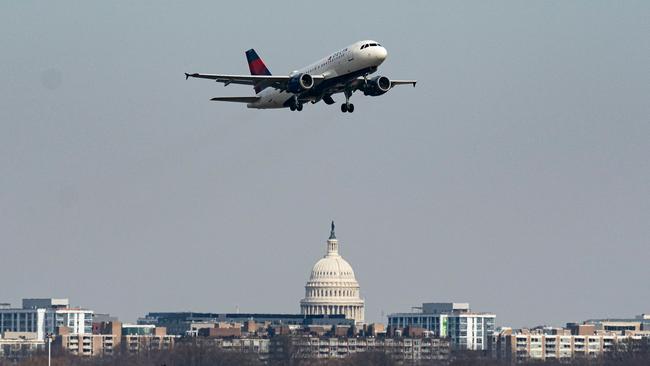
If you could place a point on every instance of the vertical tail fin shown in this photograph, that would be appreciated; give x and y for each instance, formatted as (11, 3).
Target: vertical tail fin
(255, 63)
(256, 66)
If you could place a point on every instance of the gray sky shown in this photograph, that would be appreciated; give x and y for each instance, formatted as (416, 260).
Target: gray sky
(516, 176)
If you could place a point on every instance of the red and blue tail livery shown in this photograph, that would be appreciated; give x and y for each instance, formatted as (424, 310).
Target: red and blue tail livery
(344, 71)
(255, 63)
(256, 66)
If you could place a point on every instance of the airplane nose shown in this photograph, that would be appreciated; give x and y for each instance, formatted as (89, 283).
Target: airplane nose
(381, 53)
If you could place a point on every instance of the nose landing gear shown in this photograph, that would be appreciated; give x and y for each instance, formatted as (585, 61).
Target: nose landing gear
(347, 106)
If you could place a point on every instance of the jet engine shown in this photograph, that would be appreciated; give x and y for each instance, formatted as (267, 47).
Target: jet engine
(300, 83)
(376, 86)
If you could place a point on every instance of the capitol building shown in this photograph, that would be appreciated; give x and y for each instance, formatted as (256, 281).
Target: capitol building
(332, 288)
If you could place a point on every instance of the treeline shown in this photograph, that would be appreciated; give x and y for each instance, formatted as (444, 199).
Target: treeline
(200, 354)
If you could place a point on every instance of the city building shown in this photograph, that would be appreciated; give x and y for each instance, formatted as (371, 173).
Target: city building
(322, 347)
(332, 287)
(400, 349)
(142, 329)
(465, 329)
(15, 346)
(257, 346)
(622, 325)
(527, 345)
(139, 343)
(92, 345)
(45, 316)
(86, 344)
(105, 324)
(114, 336)
(188, 323)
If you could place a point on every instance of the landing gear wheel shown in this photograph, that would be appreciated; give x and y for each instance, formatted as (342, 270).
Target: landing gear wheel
(344, 107)
(292, 107)
(299, 107)
(350, 107)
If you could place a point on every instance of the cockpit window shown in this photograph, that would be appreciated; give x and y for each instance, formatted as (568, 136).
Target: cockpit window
(370, 45)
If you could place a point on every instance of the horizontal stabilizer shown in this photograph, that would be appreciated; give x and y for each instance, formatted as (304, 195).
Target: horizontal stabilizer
(237, 99)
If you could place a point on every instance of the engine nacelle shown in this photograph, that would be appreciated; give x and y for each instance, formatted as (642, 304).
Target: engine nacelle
(376, 86)
(300, 83)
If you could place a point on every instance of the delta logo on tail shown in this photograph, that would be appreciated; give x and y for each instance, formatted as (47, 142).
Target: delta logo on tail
(256, 66)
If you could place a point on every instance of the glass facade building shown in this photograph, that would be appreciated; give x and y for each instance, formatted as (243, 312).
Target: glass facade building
(465, 330)
(36, 316)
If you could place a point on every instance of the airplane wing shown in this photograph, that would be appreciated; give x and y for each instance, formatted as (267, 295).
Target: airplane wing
(360, 81)
(277, 82)
(394, 83)
(237, 99)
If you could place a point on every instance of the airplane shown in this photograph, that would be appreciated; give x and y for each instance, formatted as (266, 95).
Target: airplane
(344, 71)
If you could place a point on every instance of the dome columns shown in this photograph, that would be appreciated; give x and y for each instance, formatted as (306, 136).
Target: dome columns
(349, 311)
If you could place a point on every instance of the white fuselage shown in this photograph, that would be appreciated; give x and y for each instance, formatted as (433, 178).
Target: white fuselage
(349, 61)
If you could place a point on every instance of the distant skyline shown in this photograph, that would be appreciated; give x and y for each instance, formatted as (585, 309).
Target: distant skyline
(515, 176)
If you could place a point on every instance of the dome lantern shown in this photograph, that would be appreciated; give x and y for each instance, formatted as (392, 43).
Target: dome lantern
(332, 243)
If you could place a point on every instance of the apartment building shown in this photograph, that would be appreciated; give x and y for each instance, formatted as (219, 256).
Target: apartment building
(108, 344)
(257, 346)
(465, 329)
(18, 345)
(545, 347)
(411, 349)
(88, 344)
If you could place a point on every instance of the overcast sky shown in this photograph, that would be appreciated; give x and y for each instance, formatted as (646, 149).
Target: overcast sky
(515, 176)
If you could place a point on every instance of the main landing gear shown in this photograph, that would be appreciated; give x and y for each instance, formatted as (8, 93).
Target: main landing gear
(296, 105)
(347, 106)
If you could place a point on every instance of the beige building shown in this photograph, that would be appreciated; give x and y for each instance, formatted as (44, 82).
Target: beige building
(332, 287)
(114, 340)
(17, 345)
(108, 344)
(88, 344)
(139, 343)
(543, 347)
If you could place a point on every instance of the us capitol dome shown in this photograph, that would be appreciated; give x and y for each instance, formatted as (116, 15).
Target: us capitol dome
(332, 288)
